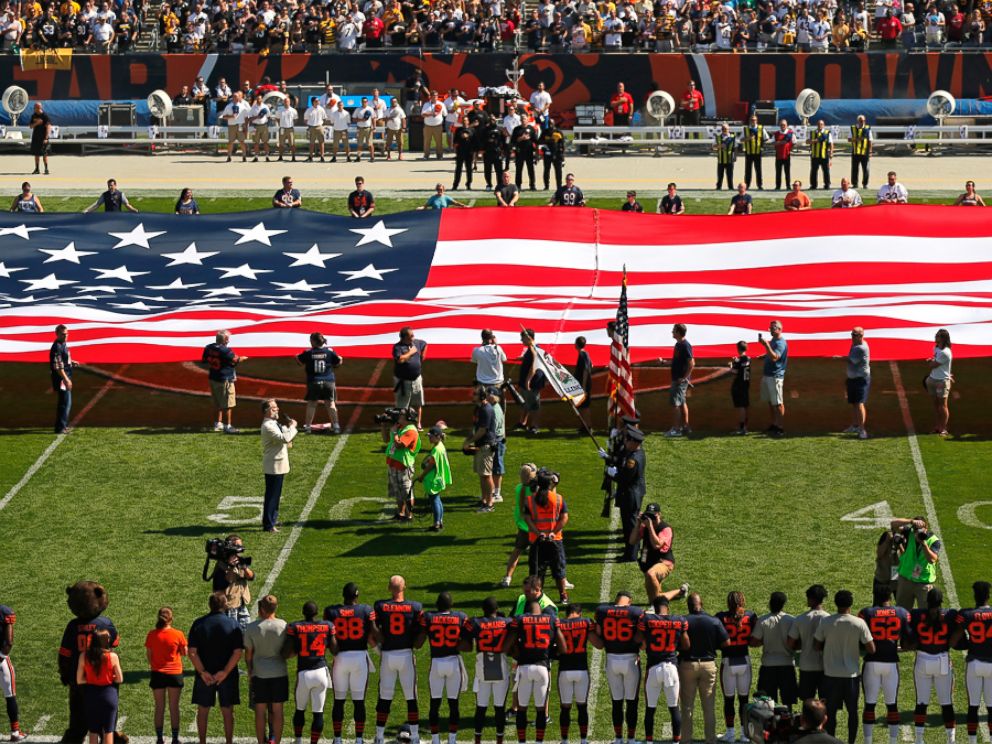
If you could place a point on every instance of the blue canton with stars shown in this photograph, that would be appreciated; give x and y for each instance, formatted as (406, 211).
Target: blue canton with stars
(283, 260)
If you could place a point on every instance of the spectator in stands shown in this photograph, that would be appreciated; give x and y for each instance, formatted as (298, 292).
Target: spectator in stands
(796, 200)
(845, 197)
(671, 202)
(892, 192)
(969, 198)
(101, 36)
(889, 30)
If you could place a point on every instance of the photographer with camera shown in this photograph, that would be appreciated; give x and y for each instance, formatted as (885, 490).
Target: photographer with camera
(402, 445)
(546, 515)
(231, 575)
(656, 558)
(918, 562)
(811, 722)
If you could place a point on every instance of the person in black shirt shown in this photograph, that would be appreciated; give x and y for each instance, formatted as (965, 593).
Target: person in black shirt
(583, 373)
(683, 363)
(811, 721)
(46, 31)
(740, 203)
(482, 443)
(628, 475)
(183, 98)
(523, 141)
(41, 129)
(671, 203)
(552, 149)
(697, 666)
(632, 205)
(215, 648)
(531, 381)
(507, 193)
(740, 386)
(361, 203)
(408, 359)
(113, 200)
(60, 365)
(464, 142)
(491, 141)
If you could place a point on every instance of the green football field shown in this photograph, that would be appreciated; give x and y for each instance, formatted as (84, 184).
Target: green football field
(130, 496)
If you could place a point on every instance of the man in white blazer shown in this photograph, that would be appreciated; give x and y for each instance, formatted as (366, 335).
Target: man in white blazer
(276, 441)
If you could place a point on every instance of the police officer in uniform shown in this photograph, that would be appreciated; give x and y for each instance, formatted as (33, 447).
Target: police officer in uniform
(491, 142)
(523, 140)
(630, 488)
(464, 141)
(821, 153)
(552, 148)
(754, 139)
(726, 152)
(861, 140)
(613, 455)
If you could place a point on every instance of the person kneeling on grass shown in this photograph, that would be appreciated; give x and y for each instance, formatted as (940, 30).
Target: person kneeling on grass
(436, 475)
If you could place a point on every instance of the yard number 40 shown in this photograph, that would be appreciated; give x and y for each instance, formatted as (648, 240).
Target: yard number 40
(872, 517)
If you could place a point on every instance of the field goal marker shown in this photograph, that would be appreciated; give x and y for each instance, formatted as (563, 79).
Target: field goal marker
(921, 475)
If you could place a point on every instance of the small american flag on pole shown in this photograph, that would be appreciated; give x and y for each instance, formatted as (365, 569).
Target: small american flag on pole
(621, 380)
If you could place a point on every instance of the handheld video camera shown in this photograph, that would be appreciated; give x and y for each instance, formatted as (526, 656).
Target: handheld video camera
(388, 416)
(767, 723)
(221, 549)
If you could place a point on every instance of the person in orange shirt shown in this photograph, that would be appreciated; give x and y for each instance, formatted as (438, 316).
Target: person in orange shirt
(166, 647)
(99, 673)
(796, 200)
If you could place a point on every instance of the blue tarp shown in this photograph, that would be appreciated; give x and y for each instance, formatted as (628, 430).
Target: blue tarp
(847, 110)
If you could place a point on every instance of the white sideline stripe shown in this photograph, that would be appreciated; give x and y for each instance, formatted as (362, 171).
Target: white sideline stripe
(42, 722)
(318, 487)
(464, 738)
(950, 588)
(596, 663)
(59, 438)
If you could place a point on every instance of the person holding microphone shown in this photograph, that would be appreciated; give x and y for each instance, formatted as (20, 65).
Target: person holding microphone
(276, 441)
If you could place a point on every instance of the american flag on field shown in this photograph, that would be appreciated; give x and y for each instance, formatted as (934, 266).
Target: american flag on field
(143, 287)
(620, 379)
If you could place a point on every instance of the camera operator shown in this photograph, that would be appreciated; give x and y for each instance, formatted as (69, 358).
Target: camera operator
(628, 475)
(231, 575)
(656, 558)
(402, 446)
(918, 562)
(546, 515)
(891, 545)
(811, 722)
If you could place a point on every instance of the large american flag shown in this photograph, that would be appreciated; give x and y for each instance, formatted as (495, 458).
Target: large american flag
(621, 380)
(144, 287)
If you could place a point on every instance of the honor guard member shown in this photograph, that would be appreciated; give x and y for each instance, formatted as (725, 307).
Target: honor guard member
(613, 455)
(784, 139)
(397, 621)
(464, 143)
(725, 144)
(821, 154)
(662, 636)
(534, 635)
(319, 361)
(578, 633)
(310, 641)
(616, 624)
(551, 145)
(889, 626)
(735, 669)
(444, 629)
(628, 475)
(862, 140)
(492, 673)
(976, 625)
(354, 627)
(753, 139)
(8, 686)
(523, 142)
(930, 630)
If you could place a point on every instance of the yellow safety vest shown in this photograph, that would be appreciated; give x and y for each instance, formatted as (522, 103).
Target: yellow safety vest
(860, 137)
(820, 144)
(754, 140)
(725, 148)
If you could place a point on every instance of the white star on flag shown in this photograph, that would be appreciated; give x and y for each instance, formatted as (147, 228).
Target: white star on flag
(189, 256)
(69, 253)
(243, 270)
(99, 288)
(5, 272)
(120, 272)
(222, 292)
(302, 286)
(21, 231)
(369, 272)
(258, 233)
(175, 284)
(378, 233)
(284, 298)
(356, 292)
(137, 237)
(135, 306)
(312, 257)
(48, 282)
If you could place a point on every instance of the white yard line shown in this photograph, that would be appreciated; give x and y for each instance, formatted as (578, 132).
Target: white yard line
(40, 725)
(332, 460)
(59, 438)
(596, 662)
(950, 588)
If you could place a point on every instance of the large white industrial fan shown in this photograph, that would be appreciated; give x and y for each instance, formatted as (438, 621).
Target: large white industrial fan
(660, 105)
(274, 98)
(15, 100)
(940, 104)
(160, 105)
(807, 104)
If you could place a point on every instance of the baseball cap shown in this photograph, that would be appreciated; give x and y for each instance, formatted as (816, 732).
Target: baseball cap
(435, 431)
(652, 508)
(492, 390)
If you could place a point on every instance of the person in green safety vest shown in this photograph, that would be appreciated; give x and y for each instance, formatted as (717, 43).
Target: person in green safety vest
(725, 144)
(402, 445)
(862, 141)
(821, 154)
(528, 472)
(436, 475)
(753, 139)
(918, 562)
(534, 591)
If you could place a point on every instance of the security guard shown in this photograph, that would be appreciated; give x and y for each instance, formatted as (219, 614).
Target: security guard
(551, 145)
(523, 141)
(464, 142)
(821, 154)
(725, 145)
(754, 138)
(629, 479)
(492, 152)
(861, 140)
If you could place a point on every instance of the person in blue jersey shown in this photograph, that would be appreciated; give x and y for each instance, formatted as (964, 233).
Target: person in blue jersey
(221, 362)
(320, 361)
(112, 200)
(27, 201)
(186, 204)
